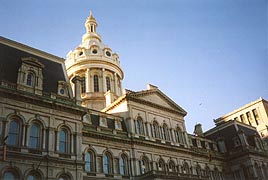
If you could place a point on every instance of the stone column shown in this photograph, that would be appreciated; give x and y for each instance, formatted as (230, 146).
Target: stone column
(162, 133)
(149, 129)
(43, 146)
(173, 135)
(88, 85)
(144, 126)
(24, 135)
(115, 84)
(103, 80)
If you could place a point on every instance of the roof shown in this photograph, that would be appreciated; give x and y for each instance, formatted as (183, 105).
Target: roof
(230, 130)
(11, 54)
(149, 97)
(218, 120)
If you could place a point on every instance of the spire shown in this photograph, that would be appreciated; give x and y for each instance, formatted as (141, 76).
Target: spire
(91, 28)
(91, 23)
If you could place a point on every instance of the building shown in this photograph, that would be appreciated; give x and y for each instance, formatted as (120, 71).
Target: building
(71, 120)
(254, 114)
(245, 152)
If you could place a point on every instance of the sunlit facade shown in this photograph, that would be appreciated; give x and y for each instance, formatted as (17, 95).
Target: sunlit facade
(71, 120)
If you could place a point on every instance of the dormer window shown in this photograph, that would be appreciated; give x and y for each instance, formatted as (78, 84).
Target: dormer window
(30, 76)
(63, 88)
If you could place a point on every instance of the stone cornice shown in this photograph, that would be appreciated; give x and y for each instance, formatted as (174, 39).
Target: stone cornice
(41, 101)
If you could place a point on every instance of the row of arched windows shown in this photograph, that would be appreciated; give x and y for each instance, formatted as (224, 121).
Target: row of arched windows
(14, 174)
(35, 134)
(95, 84)
(108, 166)
(145, 167)
(160, 132)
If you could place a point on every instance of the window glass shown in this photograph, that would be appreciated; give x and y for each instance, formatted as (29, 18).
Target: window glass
(9, 176)
(63, 141)
(83, 85)
(123, 165)
(96, 83)
(106, 164)
(88, 162)
(34, 136)
(30, 79)
(13, 134)
(108, 83)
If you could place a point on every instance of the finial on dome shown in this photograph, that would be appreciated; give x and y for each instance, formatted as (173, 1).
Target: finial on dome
(90, 17)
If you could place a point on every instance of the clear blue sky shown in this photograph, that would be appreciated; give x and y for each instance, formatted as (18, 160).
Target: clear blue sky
(208, 56)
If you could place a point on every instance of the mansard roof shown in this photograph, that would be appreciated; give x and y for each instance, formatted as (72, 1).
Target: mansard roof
(12, 55)
(152, 97)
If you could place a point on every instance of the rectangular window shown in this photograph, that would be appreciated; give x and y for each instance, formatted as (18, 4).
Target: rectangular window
(194, 142)
(256, 116)
(249, 117)
(83, 85)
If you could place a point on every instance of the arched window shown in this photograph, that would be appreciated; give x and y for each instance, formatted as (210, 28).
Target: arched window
(258, 170)
(34, 140)
(123, 165)
(83, 85)
(265, 170)
(178, 135)
(63, 141)
(207, 172)
(89, 161)
(216, 174)
(171, 166)
(185, 168)
(198, 170)
(139, 126)
(144, 165)
(156, 133)
(34, 176)
(165, 129)
(13, 133)
(64, 177)
(9, 176)
(108, 83)
(96, 83)
(107, 163)
(30, 79)
(161, 165)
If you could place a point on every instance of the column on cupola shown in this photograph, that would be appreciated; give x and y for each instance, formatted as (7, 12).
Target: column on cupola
(103, 80)
(115, 84)
(148, 125)
(173, 135)
(88, 80)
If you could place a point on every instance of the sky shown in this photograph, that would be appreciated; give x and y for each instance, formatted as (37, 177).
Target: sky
(209, 56)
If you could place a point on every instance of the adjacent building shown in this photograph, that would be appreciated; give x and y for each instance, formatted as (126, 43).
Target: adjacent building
(254, 114)
(71, 120)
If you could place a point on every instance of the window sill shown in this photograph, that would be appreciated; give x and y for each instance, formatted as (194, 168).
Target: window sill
(64, 155)
(35, 151)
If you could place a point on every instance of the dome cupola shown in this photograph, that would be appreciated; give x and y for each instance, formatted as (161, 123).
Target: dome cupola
(98, 66)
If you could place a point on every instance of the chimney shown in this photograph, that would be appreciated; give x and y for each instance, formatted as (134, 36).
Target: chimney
(77, 89)
(198, 130)
(109, 97)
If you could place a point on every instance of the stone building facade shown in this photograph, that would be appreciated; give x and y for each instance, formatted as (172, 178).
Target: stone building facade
(254, 114)
(71, 120)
